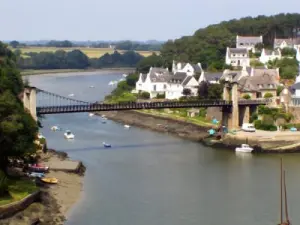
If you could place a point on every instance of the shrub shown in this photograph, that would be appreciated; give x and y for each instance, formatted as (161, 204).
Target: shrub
(202, 112)
(246, 96)
(260, 125)
(268, 95)
(253, 117)
(144, 95)
(161, 96)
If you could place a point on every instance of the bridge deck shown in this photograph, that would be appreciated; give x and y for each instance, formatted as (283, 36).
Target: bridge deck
(141, 105)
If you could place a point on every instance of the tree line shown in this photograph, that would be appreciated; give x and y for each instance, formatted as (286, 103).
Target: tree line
(75, 59)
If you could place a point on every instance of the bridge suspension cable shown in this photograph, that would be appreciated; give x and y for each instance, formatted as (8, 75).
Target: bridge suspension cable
(46, 98)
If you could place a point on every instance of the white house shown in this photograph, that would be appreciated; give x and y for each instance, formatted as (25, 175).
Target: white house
(248, 42)
(283, 43)
(237, 57)
(178, 82)
(188, 68)
(298, 54)
(269, 55)
(154, 82)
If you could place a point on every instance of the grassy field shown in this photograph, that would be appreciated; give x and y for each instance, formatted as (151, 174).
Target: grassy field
(90, 52)
(18, 189)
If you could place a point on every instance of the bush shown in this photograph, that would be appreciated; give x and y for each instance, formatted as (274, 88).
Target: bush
(202, 112)
(160, 96)
(268, 95)
(246, 96)
(144, 95)
(3, 184)
(253, 117)
(260, 125)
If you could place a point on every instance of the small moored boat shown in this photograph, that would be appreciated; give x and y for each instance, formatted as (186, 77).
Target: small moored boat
(50, 180)
(68, 134)
(126, 126)
(71, 95)
(38, 168)
(35, 174)
(92, 86)
(91, 114)
(55, 128)
(106, 145)
(244, 148)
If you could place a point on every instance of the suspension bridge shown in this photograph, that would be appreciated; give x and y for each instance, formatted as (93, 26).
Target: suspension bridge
(41, 102)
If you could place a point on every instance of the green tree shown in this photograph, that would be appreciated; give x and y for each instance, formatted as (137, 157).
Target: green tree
(17, 128)
(131, 79)
(186, 92)
(14, 44)
(246, 96)
(291, 52)
(151, 61)
(215, 91)
(203, 90)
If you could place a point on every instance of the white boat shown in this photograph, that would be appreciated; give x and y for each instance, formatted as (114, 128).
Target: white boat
(106, 145)
(40, 136)
(91, 114)
(92, 86)
(244, 148)
(68, 134)
(55, 128)
(124, 75)
(71, 95)
(126, 126)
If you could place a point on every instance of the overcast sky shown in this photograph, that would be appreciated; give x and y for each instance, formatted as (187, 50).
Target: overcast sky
(123, 19)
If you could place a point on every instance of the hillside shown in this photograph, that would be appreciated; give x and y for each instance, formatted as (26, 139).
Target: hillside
(208, 45)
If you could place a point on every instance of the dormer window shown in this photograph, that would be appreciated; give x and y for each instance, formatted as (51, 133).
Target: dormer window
(270, 85)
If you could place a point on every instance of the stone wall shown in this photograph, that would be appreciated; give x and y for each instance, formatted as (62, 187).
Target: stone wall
(12, 208)
(214, 112)
(296, 113)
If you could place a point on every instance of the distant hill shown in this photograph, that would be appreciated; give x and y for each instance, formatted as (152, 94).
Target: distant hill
(208, 45)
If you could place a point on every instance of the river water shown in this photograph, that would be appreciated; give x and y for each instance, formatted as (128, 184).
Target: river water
(150, 178)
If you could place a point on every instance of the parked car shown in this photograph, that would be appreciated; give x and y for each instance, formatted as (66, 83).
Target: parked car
(248, 127)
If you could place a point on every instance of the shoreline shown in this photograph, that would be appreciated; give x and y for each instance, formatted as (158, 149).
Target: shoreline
(261, 141)
(65, 71)
(55, 200)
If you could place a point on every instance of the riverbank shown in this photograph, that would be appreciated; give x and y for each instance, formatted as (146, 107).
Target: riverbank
(178, 128)
(57, 71)
(56, 200)
(262, 141)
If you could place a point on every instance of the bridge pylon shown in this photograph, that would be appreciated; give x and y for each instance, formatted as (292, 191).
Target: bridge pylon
(29, 101)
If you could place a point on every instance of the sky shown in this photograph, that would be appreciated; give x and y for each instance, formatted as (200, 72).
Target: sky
(141, 20)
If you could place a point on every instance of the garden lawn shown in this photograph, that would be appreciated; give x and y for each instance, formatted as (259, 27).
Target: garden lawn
(18, 189)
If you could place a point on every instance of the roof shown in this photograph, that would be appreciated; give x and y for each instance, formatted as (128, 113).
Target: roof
(270, 52)
(197, 68)
(295, 86)
(263, 71)
(159, 75)
(213, 76)
(238, 50)
(257, 83)
(249, 39)
(178, 77)
(186, 80)
(278, 41)
(235, 75)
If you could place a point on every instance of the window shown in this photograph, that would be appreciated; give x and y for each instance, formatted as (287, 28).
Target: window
(270, 85)
(165, 86)
(154, 87)
(233, 54)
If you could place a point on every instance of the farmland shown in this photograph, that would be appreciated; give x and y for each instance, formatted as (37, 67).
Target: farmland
(90, 52)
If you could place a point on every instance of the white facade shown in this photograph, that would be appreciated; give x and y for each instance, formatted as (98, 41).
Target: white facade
(298, 54)
(237, 57)
(153, 82)
(267, 56)
(175, 89)
(188, 68)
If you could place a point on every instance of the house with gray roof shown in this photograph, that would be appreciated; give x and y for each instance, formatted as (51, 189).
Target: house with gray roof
(161, 81)
(253, 81)
(180, 81)
(237, 57)
(269, 55)
(248, 42)
(212, 78)
(154, 82)
(283, 43)
(188, 68)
